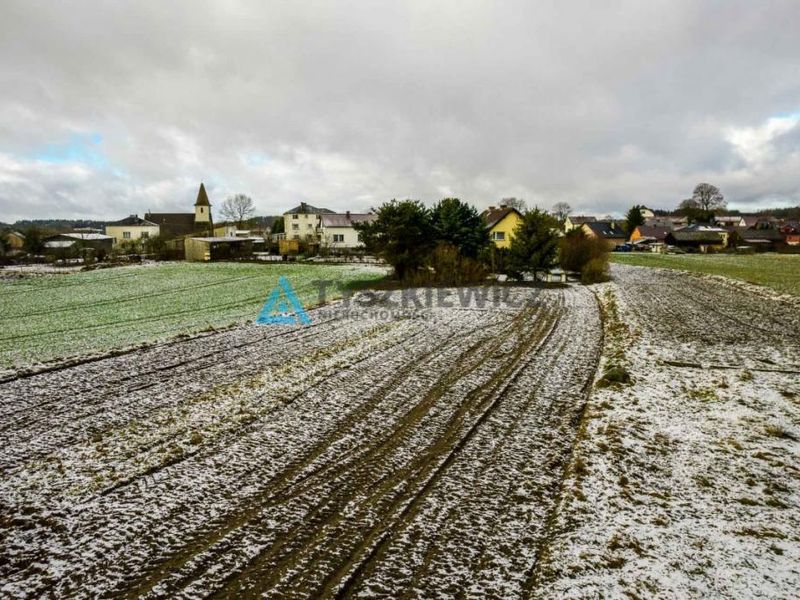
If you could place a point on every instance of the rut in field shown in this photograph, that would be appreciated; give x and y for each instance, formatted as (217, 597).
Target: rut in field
(347, 458)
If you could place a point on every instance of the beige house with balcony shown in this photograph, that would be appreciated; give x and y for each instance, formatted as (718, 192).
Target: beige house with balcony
(304, 223)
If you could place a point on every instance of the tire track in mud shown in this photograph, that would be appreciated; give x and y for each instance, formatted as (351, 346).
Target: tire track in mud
(216, 348)
(347, 578)
(369, 472)
(311, 497)
(80, 425)
(532, 415)
(220, 352)
(296, 473)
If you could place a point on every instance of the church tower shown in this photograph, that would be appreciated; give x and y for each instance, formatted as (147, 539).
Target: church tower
(202, 208)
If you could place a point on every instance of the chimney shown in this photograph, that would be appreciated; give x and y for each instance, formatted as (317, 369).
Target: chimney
(348, 215)
(492, 208)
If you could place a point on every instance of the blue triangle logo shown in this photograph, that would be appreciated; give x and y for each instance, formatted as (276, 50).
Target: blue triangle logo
(283, 307)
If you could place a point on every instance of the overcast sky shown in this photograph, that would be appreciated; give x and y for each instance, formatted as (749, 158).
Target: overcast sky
(113, 108)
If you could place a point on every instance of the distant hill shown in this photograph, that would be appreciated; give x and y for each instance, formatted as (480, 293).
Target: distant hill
(59, 224)
(782, 213)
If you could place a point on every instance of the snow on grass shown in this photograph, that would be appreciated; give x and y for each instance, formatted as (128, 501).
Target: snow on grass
(53, 317)
(685, 481)
(780, 272)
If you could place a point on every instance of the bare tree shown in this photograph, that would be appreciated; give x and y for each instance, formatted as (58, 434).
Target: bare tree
(707, 197)
(561, 211)
(517, 203)
(238, 208)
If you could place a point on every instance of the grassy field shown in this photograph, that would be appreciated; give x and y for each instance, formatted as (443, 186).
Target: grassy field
(780, 272)
(57, 316)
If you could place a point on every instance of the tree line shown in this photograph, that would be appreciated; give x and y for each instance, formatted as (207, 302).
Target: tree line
(449, 244)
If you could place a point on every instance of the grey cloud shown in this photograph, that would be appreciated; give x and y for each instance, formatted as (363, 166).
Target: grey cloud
(347, 104)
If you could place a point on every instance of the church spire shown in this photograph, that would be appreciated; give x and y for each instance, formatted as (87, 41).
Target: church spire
(202, 197)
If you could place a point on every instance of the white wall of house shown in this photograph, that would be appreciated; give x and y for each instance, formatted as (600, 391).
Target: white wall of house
(125, 233)
(340, 238)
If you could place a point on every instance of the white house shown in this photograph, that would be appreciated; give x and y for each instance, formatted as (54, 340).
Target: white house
(730, 221)
(646, 213)
(337, 232)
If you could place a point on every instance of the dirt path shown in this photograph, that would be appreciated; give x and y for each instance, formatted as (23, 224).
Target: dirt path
(348, 458)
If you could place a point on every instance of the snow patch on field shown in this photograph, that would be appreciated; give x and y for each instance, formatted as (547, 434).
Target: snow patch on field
(686, 483)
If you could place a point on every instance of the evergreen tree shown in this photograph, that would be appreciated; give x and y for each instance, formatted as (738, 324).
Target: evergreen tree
(403, 235)
(460, 225)
(534, 246)
(633, 219)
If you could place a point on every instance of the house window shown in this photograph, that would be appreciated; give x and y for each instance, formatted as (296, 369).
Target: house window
(295, 226)
(499, 236)
(145, 235)
(201, 210)
(338, 238)
(126, 235)
(295, 216)
(310, 226)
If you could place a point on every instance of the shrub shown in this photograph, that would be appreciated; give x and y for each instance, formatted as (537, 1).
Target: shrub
(446, 266)
(575, 250)
(495, 259)
(595, 271)
(615, 375)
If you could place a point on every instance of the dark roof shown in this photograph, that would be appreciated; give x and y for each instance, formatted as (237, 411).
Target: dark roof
(493, 215)
(580, 220)
(202, 197)
(135, 221)
(175, 224)
(347, 220)
(751, 220)
(767, 235)
(700, 237)
(307, 209)
(223, 240)
(170, 218)
(606, 229)
(657, 233)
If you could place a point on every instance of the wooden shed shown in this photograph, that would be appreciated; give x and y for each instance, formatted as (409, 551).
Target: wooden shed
(217, 248)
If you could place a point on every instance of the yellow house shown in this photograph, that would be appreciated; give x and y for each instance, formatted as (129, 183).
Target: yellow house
(131, 229)
(16, 240)
(576, 222)
(501, 221)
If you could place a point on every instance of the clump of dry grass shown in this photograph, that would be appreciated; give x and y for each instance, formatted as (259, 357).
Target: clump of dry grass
(780, 432)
